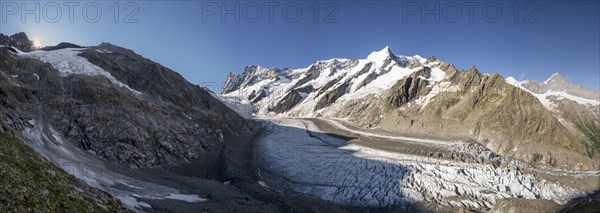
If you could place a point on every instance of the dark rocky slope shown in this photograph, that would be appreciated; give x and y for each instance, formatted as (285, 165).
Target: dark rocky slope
(170, 121)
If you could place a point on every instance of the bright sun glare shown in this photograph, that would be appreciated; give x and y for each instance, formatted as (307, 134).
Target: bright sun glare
(37, 43)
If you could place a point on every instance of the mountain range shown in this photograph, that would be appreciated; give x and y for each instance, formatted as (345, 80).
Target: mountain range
(103, 129)
(551, 123)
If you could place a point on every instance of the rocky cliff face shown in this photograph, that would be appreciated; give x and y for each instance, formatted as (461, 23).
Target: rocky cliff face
(18, 40)
(114, 103)
(428, 98)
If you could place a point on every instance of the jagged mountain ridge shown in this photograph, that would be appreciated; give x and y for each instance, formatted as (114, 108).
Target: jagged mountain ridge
(576, 107)
(421, 97)
(114, 103)
(19, 40)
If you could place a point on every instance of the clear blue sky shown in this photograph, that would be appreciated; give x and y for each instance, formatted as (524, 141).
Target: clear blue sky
(564, 36)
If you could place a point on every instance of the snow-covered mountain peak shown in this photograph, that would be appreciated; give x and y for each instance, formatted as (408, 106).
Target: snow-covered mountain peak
(328, 83)
(385, 57)
(511, 80)
(555, 78)
(418, 58)
(381, 55)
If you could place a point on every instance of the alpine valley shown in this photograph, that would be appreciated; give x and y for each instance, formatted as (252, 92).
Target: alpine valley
(390, 129)
(103, 129)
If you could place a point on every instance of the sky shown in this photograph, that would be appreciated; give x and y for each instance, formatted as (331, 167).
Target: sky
(204, 40)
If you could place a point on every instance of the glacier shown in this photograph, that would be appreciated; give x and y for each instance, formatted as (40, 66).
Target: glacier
(296, 156)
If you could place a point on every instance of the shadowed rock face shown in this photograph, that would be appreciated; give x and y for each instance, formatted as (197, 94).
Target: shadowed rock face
(408, 89)
(289, 101)
(331, 96)
(163, 120)
(18, 40)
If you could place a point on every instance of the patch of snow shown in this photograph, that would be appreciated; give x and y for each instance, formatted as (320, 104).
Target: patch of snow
(419, 59)
(383, 82)
(545, 98)
(303, 94)
(512, 81)
(132, 203)
(435, 90)
(437, 75)
(263, 184)
(67, 62)
(380, 56)
(103, 51)
(186, 198)
(16, 49)
(128, 185)
(564, 94)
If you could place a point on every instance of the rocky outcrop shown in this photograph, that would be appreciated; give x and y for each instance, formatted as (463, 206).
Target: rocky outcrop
(18, 40)
(407, 89)
(312, 74)
(289, 101)
(232, 82)
(257, 97)
(331, 96)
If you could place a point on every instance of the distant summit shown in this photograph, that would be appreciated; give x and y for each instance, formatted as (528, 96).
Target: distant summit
(555, 79)
(62, 45)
